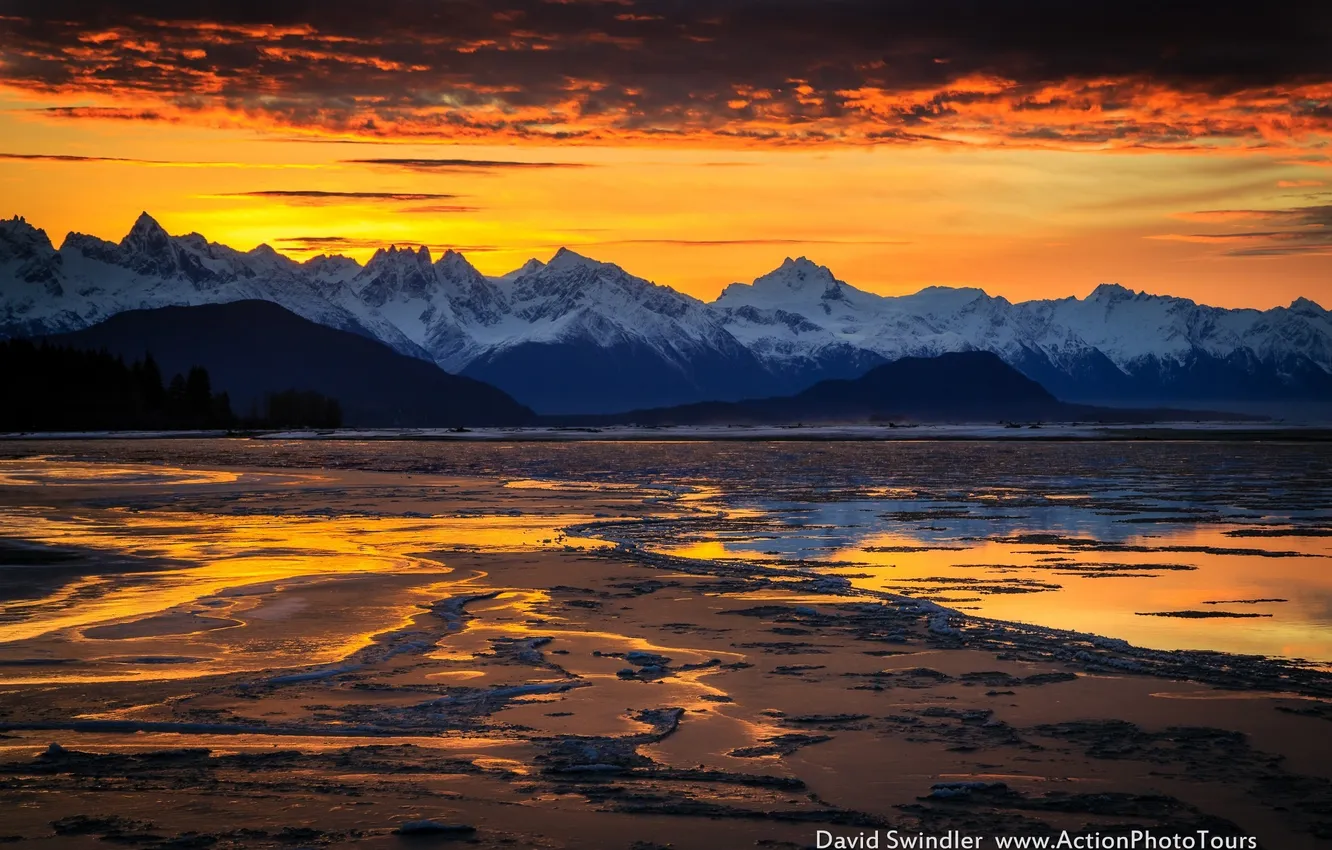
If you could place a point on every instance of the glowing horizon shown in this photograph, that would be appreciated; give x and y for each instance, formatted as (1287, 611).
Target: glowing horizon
(363, 253)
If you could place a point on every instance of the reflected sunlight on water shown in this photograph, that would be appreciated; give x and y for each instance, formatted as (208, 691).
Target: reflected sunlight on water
(306, 589)
(1279, 587)
(43, 471)
(1087, 537)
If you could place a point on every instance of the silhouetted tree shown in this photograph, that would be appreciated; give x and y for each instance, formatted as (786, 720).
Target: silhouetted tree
(297, 409)
(52, 388)
(150, 383)
(198, 395)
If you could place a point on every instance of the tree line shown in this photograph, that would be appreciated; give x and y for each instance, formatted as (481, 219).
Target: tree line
(46, 387)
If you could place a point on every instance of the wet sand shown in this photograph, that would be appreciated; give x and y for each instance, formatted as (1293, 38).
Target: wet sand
(281, 658)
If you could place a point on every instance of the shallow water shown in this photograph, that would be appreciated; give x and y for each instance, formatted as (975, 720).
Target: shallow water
(1094, 537)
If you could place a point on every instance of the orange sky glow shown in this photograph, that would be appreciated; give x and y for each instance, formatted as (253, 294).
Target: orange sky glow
(694, 151)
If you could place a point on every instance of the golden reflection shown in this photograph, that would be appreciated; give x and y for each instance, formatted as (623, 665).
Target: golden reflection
(1107, 592)
(177, 594)
(223, 554)
(46, 471)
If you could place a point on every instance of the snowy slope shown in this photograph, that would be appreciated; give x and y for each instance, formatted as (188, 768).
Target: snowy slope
(579, 335)
(1114, 344)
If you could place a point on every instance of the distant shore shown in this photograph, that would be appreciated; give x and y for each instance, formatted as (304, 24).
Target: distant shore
(1025, 432)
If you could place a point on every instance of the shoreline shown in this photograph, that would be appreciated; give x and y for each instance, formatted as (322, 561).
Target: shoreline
(1314, 432)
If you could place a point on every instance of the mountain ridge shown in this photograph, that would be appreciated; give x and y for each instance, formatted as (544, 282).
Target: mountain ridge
(578, 335)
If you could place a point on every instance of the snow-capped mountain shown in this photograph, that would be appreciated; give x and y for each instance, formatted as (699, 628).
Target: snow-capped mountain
(440, 306)
(572, 335)
(45, 291)
(577, 335)
(1114, 345)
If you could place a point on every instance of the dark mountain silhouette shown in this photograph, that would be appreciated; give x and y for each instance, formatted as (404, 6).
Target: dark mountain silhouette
(966, 386)
(255, 349)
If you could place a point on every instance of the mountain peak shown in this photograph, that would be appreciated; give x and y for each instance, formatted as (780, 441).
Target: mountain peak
(961, 291)
(800, 275)
(565, 258)
(451, 258)
(417, 256)
(1307, 307)
(453, 265)
(800, 262)
(18, 226)
(146, 236)
(324, 266)
(148, 249)
(145, 227)
(18, 238)
(1110, 292)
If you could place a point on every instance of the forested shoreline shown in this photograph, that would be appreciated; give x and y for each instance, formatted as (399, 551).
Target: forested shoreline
(56, 388)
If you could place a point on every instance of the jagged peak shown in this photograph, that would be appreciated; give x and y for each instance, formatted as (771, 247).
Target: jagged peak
(801, 275)
(1307, 305)
(565, 258)
(1111, 292)
(145, 226)
(267, 256)
(802, 262)
(454, 259)
(801, 266)
(420, 255)
(18, 227)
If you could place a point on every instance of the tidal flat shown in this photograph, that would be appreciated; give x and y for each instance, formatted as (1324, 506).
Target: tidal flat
(264, 643)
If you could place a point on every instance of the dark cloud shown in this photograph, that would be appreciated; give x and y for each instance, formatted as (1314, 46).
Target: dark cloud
(418, 164)
(110, 113)
(1293, 230)
(319, 196)
(177, 163)
(710, 243)
(325, 244)
(51, 157)
(319, 193)
(1094, 73)
(440, 209)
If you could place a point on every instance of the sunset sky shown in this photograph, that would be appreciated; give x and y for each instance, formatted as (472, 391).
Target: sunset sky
(1034, 150)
